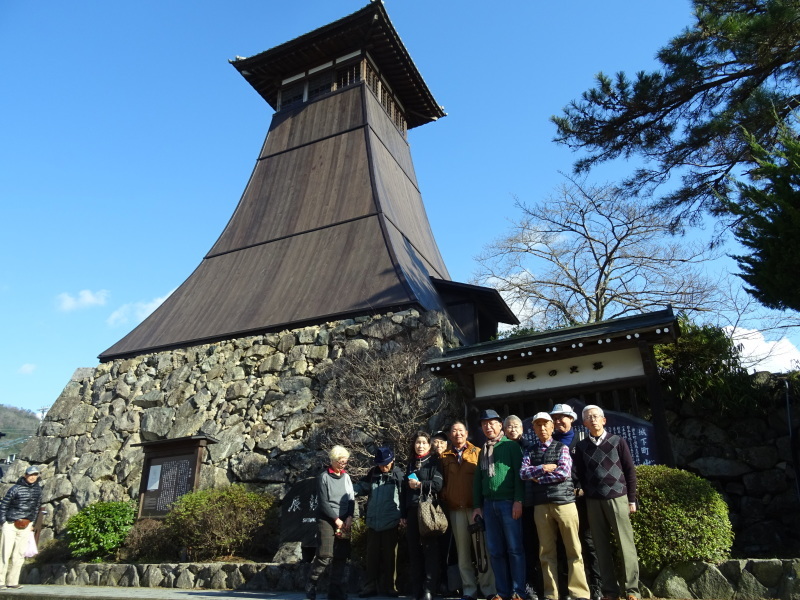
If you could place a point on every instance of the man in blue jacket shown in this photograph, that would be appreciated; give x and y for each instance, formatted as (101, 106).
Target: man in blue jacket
(382, 484)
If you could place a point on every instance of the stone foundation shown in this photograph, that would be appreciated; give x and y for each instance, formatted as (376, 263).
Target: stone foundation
(750, 462)
(732, 580)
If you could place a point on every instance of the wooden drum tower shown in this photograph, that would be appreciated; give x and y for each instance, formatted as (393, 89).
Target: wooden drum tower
(331, 224)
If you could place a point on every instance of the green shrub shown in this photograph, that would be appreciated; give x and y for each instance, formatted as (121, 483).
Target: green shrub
(680, 517)
(99, 529)
(149, 541)
(222, 522)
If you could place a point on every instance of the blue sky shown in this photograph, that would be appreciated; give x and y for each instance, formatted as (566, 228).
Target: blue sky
(128, 140)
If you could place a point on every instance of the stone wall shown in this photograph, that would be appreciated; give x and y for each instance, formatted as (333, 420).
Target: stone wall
(259, 396)
(751, 462)
(732, 580)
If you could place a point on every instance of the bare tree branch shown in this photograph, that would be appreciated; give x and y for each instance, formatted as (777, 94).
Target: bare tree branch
(380, 397)
(591, 253)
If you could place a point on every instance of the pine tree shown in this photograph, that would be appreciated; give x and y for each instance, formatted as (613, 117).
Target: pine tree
(769, 212)
(735, 68)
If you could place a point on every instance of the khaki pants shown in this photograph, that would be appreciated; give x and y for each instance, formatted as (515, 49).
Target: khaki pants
(550, 519)
(459, 521)
(12, 547)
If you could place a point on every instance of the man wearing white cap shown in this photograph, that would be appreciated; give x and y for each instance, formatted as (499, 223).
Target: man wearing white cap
(563, 419)
(548, 464)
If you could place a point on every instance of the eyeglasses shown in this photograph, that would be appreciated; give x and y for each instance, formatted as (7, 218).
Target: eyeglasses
(593, 417)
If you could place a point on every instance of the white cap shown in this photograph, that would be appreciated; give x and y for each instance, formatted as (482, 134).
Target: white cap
(541, 416)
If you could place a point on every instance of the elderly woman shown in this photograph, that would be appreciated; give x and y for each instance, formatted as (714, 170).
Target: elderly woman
(512, 427)
(423, 474)
(335, 510)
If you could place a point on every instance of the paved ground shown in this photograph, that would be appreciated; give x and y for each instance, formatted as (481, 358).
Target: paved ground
(70, 592)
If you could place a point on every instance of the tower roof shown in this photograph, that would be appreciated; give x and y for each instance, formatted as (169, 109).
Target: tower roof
(367, 29)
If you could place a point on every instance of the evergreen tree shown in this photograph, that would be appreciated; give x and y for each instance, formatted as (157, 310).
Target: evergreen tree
(769, 212)
(737, 66)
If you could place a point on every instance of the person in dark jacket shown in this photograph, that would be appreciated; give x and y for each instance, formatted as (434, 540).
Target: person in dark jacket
(547, 463)
(422, 474)
(18, 511)
(335, 510)
(605, 467)
(382, 484)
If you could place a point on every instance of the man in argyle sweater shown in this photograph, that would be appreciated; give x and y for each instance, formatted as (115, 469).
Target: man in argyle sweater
(607, 474)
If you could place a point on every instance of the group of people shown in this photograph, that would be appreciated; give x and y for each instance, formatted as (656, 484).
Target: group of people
(546, 496)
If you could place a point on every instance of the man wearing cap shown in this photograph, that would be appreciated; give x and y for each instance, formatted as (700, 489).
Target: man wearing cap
(548, 464)
(18, 511)
(563, 418)
(382, 484)
(459, 464)
(605, 467)
(497, 497)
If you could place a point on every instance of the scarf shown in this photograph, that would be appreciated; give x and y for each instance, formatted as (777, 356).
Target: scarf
(421, 458)
(487, 456)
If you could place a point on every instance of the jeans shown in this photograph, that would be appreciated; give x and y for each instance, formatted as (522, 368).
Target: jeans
(506, 553)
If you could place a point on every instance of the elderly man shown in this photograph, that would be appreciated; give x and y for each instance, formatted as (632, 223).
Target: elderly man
(382, 484)
(563, 419)
(459, 463)
(605, 468)
(18, 511)
(497, 497)
(548, 464)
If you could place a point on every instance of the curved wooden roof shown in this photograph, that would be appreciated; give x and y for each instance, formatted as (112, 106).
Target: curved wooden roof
(330, 224)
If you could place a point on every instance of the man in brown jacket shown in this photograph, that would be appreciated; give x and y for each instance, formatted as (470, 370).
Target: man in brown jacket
(459, 463)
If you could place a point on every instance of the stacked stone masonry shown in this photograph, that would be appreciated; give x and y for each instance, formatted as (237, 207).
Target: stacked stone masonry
(750, 461)
(732, 580)
(258, 396)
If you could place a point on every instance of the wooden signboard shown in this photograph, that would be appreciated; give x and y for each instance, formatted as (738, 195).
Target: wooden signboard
(171, 469)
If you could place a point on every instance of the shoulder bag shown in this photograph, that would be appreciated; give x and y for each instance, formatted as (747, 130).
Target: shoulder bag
(432, 520)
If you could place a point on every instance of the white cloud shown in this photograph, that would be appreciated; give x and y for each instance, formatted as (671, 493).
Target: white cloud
(760, 354)
(85, 299)
(135, 312)
(26, 369)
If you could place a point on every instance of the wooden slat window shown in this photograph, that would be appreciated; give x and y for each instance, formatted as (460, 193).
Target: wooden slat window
(320, 85)
(386, 100)
(372, 79)
(292, 94)
(348, 75)
(400, 121)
